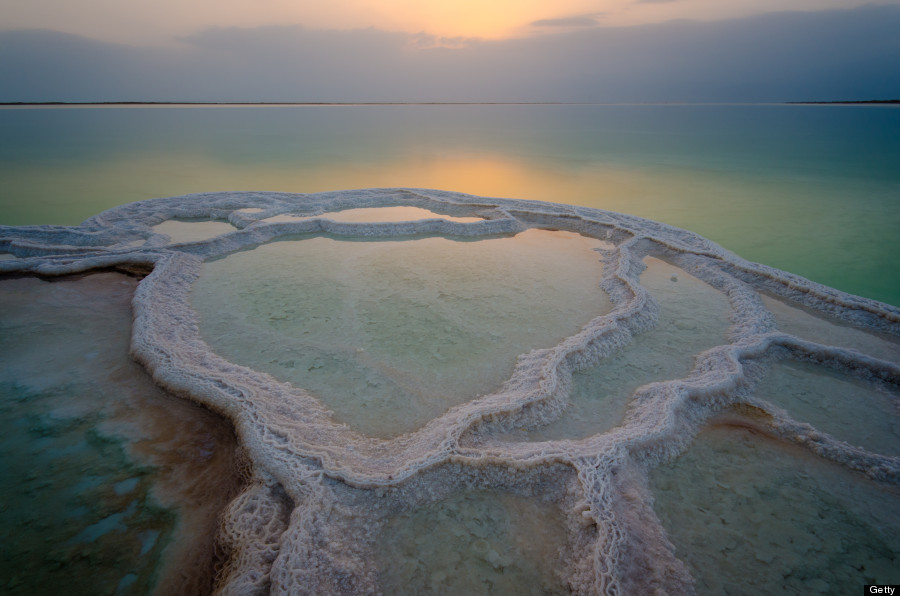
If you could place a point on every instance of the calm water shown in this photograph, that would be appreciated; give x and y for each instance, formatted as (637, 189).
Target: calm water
(811, 189)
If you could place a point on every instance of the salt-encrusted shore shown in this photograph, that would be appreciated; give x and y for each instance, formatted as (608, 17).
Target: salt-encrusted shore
(320, 492)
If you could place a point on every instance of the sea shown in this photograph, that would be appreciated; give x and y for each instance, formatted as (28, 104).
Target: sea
(811, 189)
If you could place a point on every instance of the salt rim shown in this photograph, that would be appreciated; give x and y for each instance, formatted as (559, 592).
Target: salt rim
(310, 474)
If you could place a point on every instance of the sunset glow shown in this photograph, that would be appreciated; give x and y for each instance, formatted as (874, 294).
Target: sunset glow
(162, 22)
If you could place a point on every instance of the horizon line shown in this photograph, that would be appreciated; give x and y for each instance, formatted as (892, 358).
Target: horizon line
(426, 103)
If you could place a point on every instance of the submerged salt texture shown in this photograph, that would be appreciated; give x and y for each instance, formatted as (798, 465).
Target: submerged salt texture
(108, 481)
(473, 543)
(823, 329)
(324, 498)
(693, 317)
(852, 410)
(749, 516)
(390, 334)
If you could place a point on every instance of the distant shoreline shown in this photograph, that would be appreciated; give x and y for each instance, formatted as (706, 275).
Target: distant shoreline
(274, 103)
(868, 101)
(413, 103)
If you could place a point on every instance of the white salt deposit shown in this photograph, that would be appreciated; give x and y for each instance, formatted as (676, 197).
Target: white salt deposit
(296, 329)
(693, 317)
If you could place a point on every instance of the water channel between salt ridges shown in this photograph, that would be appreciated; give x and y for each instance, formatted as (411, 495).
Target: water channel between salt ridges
(426, 383)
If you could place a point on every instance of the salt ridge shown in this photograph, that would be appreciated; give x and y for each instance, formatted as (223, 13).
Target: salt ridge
(314, 480)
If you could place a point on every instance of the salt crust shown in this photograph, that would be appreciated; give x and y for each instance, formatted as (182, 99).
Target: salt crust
(320, 492)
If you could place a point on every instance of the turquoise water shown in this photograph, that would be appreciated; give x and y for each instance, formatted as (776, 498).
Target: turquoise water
(109, 485)
(810, 189)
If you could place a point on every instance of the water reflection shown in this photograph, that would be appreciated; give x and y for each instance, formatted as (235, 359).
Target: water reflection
(375, 214)
(809, 190)
(391, 334)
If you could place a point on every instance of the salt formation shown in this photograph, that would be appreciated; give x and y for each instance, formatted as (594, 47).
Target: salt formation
(325, 498)
(377, 328)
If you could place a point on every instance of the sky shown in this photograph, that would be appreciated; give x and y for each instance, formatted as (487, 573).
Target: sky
(449, 50)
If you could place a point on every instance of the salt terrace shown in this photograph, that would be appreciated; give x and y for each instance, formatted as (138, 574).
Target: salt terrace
(436, 392)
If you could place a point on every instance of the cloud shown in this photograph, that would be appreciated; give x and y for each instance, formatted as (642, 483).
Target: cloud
(424, 41)
(841, 54)
(587, 20)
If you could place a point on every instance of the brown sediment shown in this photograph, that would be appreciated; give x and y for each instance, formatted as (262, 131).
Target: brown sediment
(137, 271)
(74, 345)
(195, 454)
(745, 417)
(752, 412)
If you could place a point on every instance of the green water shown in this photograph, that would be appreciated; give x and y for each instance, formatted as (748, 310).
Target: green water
(473, 543)
(391, 334)
(76, 512)
(849, 409)
(78, 515)
(693, 317)
(746, 519)
(814, 190)
(109, 485)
